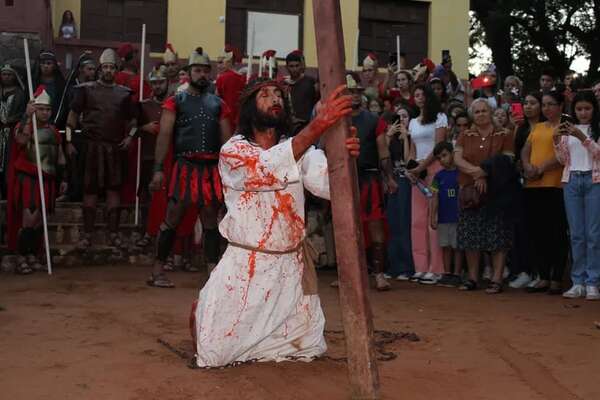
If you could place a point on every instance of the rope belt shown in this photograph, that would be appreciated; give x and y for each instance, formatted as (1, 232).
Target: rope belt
(265, 251)
(309, 274)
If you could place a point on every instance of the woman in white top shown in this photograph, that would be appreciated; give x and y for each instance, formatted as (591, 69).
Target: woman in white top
(428, 129)
(577, 147)
(68, 28)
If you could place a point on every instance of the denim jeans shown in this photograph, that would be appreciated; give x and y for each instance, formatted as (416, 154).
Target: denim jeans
(582, 202)
(398, 212)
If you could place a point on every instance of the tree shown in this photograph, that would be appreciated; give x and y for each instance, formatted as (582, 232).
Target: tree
(524, 35)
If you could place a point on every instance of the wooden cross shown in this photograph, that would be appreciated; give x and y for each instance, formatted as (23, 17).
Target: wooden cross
(352, 271)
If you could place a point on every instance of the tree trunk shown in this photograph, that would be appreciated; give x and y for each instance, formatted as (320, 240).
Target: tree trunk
(497, 36)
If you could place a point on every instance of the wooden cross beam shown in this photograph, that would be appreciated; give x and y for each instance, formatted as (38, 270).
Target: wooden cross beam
(352, 271)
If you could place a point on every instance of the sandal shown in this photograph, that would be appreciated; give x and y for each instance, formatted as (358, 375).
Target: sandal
(84, 243)
(188, 267)
(468, 285)
(160, 281)
(168, 265)
(494, 288)
(143, 242)
(23, 269)
(115, 240)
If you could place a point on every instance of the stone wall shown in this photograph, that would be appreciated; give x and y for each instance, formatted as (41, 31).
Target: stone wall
(12, 52)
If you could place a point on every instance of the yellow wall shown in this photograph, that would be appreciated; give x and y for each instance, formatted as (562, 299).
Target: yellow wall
(350, 9)
(60, 6)
(449, 29)
(193, 23)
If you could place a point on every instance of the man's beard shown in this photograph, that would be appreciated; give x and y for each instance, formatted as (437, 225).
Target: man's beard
(107, 78)
(262, 120)
(200, 84)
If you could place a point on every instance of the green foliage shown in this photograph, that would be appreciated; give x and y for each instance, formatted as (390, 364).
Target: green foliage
(541, 32)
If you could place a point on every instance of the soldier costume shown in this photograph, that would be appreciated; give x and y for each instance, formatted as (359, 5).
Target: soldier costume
(199, 123)
(27, 200)
(106, 114)
(12, 107)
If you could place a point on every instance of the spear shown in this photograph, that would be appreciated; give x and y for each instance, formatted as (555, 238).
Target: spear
(139, 140)
(250, 54)
(398, 52)
(37, 160)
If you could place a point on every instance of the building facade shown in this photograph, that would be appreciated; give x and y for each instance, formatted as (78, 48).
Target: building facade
(425, 27)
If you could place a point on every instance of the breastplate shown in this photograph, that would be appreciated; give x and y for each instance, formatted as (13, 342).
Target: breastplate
(197, 124)
(48, 150)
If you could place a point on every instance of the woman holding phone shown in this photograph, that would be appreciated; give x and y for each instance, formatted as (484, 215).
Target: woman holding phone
(544, 202)
(400, 150)
(577, 147)
(525, 121)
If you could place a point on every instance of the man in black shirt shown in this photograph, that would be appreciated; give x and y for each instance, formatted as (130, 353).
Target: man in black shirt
(303, 90)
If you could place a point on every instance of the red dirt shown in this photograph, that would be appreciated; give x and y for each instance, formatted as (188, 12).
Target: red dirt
(91, 333)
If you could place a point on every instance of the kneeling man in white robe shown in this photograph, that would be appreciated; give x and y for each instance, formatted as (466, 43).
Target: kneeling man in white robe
(253, 307)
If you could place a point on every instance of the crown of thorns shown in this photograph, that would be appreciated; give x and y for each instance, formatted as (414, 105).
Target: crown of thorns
(255, 85)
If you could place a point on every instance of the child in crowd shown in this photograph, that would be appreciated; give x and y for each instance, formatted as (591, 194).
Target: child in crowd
(444, 213)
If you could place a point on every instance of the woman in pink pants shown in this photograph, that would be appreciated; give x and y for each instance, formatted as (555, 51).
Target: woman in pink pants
(428, 129)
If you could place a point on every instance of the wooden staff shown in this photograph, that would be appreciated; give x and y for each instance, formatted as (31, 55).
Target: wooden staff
(355, 55)
(139, 140)
(398, 53)
(251, 53)
(38, 160)
(352, 268)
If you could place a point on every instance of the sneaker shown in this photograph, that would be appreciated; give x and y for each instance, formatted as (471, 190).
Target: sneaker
(449, 280)
(520, 281)
(488, 272)
(417, 276)
(386, 276)
(403, 277)
(381, 283)
(430, 278)
(592, 293)
(575, 292)
(533, 282)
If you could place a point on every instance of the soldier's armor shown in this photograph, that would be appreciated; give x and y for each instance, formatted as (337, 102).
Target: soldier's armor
(48, 145)
(197, 128)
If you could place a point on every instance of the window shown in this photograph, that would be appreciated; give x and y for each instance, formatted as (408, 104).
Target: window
(279, 25)
(121, 21)
(279, 32)
(380, 22)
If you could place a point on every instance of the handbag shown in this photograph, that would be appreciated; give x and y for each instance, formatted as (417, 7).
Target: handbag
(469, 197)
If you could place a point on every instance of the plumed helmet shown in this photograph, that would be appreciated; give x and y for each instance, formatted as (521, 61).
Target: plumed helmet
(199, 57)
(158, 74)
(371, 61)
(41, 97)
(169, 56)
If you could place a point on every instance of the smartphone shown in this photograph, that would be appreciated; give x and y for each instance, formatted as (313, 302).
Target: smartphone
(445, 55)
(516, 110)
(566, 118)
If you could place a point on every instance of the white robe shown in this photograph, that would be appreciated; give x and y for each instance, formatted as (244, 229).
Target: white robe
(253, 306)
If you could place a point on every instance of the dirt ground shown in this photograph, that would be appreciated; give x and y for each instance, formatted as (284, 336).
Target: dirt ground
(91, 333)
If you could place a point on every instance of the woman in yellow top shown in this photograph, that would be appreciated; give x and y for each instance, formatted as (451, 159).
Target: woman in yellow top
(544, 203)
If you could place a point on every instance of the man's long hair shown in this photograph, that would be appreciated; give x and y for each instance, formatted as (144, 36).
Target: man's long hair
(249, 118)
